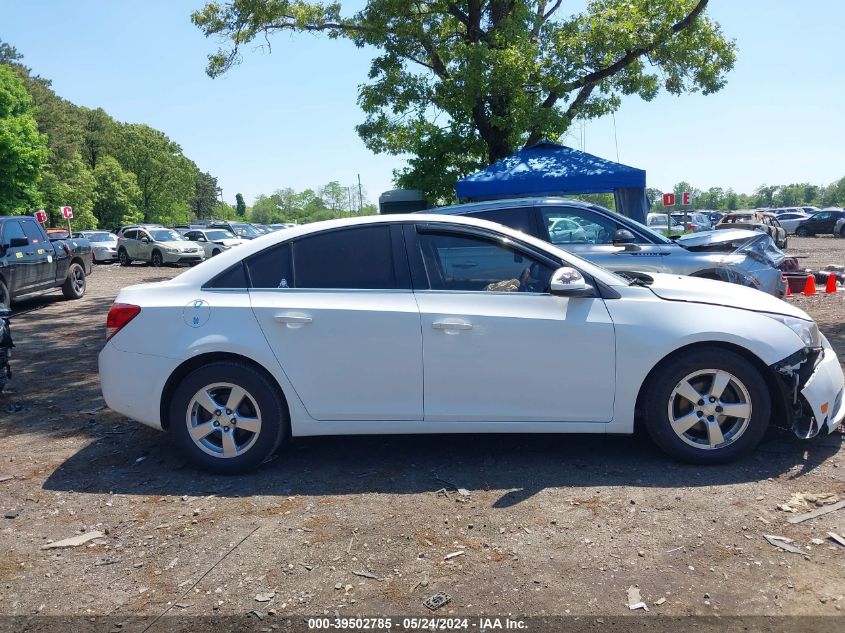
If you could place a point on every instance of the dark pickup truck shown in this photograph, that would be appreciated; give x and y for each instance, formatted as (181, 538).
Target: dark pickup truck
(31, 263)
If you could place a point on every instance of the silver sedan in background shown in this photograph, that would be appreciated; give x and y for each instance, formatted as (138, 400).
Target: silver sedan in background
(623, 245)
(103, 245)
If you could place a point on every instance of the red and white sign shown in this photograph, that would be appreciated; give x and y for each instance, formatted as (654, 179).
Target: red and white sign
(685, 197)
(67, 212)
(668, 199)
(41, 216)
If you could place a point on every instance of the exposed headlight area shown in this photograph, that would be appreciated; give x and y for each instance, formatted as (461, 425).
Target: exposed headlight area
(807, 331)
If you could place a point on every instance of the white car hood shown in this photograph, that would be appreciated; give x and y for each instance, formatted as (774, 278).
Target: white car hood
(229, 241)
(720, 293)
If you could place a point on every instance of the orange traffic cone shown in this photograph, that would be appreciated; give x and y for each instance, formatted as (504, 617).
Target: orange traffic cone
(830, 286)
(810, 287)
(788, 290)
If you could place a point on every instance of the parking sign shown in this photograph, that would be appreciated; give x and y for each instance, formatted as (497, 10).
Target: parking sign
(41, 216)
(668, 199)
(686, 197)
(67, 212)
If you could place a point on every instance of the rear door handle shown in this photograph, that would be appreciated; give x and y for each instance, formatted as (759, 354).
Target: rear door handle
(452, 324)
(293, 319)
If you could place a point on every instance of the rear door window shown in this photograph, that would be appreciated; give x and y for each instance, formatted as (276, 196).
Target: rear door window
(356, 258)
(271, 268)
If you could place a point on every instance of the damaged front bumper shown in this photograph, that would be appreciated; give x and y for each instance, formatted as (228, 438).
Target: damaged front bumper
(812, 384)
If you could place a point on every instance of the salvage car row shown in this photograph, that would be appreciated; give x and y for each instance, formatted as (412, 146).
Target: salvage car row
(539, 315)
(158, 245)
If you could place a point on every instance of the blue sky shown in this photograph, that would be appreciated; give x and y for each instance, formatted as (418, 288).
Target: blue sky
(287, 118)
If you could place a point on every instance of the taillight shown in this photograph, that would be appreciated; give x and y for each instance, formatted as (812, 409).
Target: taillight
(691, 227)
(119, 315)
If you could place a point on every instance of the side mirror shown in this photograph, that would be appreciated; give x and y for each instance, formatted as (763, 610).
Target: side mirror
(623, 237)
(201, 239)
(568, 282)
(145, 240)
(18, 242)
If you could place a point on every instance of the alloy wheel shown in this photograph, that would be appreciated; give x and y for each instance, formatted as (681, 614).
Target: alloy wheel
(223, 420)
(78, 280)
(709, 409)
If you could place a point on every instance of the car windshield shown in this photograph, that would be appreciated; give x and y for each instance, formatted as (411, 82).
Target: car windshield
(98, 237)
(218, 235)
(740, 219)
(245, 230)
(165, 235)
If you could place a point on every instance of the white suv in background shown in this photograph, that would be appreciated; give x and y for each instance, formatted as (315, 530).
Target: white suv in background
(156, 245)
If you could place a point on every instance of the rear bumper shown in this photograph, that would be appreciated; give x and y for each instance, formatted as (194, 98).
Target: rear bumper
(132, 384)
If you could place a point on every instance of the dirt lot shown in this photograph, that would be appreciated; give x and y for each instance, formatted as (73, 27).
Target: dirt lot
(550, 525)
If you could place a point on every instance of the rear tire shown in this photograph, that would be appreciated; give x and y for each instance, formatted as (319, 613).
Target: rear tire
(123, 257)
(205, 444)
(74, 285)
(691, 431)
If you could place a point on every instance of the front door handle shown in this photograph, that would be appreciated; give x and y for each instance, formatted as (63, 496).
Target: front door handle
(293, 319)
(452, 324)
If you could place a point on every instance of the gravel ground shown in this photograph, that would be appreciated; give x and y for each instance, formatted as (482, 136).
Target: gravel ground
(365, 525)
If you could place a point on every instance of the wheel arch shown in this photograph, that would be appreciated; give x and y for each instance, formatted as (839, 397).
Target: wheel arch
(76, 260)
(178, 374)
(778, 401)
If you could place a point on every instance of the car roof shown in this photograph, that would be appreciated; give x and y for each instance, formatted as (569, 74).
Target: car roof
(507, 203)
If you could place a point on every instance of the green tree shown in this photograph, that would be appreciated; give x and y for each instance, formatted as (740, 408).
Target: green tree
(98, 135)
(459, 84)
(223, 211)
(69, 182)
(240, 205)
(206, 192)
(23, 150)
(264, 210)
(115, 195)
(335, 196)
(165, 177)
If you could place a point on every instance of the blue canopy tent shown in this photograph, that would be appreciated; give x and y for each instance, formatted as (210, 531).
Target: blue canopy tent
(549, 169)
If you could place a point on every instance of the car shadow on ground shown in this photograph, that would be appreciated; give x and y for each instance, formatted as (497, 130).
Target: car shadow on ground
(518, 465)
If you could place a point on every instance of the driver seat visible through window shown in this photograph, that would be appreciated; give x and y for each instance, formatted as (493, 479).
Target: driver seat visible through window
(469, 263)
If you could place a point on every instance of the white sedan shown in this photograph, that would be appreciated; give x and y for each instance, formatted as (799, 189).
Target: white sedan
(444, 324)
(790, 221)
(213, 241)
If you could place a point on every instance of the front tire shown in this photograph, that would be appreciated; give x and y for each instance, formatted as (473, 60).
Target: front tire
(227, 417)
(74, 285)
(5, 297)
(802, 232)
(157, 260)
(707, 407)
